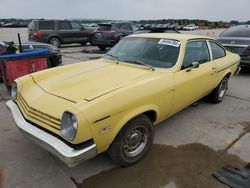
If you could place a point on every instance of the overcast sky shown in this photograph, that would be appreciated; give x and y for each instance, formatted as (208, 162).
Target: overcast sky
(215, 10)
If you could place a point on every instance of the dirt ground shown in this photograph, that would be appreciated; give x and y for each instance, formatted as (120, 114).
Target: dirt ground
(189, 166)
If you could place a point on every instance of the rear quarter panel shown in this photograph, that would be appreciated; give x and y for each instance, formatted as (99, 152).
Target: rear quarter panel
(226, 66)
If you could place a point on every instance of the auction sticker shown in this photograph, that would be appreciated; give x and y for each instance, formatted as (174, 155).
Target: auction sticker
(169, 42)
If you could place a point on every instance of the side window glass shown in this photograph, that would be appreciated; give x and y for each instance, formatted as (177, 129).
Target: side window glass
(126, 27)
(196, 51)
(135, 27)
(62, 25)
(76, 26)
(119, 26)
(217, 50)
(46, 25)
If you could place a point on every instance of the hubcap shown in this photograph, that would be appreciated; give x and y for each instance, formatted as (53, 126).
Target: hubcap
(223, 88)
(55, 42)
(135, 141)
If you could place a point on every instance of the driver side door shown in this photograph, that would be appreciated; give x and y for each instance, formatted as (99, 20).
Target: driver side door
(193, 83)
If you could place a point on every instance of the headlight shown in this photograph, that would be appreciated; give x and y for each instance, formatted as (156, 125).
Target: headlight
(14, 91)
(69, 125)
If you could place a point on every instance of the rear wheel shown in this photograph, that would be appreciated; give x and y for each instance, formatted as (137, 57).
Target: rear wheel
(55, 41)
(219, 92)
(133, 141)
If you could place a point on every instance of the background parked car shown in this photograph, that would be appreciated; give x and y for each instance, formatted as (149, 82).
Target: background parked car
(190, 27)
(109, 34)
(157, 30)
(237, 39)
(57, 32)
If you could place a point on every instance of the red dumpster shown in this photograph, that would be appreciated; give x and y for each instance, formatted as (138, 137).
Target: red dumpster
(16, 65)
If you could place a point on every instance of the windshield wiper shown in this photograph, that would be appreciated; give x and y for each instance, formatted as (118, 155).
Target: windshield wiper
(141, 63)
(114, 57)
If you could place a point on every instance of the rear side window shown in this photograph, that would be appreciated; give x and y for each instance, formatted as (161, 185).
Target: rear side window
(126, 26)
(32, 25)
(64, 25)
(196, 51)
(217, 50)
(76, 26)
(135, 27)
(104, 27)
(46, 25)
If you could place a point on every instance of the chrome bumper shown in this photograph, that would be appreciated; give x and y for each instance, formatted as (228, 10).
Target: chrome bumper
(68, 155)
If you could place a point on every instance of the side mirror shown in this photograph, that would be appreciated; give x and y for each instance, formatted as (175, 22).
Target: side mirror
(194, 65)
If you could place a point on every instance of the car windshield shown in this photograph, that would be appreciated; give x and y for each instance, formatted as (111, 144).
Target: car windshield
(153, 52)
(243, 31)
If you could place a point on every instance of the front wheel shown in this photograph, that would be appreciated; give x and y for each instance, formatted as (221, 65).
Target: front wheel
(219, 92)
(133, 141)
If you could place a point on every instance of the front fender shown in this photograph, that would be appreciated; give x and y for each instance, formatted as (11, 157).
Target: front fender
(130, 115)
(104, 132)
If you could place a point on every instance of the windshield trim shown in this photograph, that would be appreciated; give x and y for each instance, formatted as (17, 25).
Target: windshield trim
(158, 68)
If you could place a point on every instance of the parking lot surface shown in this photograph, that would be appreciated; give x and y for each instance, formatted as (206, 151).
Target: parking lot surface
(212, 134)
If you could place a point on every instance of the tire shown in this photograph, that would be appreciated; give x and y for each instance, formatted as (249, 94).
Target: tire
(133, 141)
(219, 92)
(102, 47)
(55, 41)
(91, 41)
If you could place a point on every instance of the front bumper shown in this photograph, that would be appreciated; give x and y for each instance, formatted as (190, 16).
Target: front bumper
(68, 155)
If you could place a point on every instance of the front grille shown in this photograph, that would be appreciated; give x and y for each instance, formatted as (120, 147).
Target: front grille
(41, 117)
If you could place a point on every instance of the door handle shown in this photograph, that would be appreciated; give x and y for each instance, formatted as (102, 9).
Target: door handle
(214, 68)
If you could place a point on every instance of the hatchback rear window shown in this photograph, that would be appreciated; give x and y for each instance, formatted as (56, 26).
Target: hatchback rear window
(46, 25)
(237, 32)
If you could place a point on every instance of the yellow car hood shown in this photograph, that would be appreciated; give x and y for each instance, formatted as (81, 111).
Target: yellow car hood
(88, 80)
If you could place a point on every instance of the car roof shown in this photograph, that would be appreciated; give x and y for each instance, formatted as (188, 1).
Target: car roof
(112, 23)
(180, 37)
(42, 20)
(241, 26)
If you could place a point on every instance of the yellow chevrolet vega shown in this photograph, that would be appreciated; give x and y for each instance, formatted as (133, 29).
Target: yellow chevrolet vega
(113, 104)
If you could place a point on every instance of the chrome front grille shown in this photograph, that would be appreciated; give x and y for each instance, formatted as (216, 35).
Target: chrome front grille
(36, 115)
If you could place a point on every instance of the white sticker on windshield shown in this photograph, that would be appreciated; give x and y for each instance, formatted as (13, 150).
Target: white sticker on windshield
(169, 42)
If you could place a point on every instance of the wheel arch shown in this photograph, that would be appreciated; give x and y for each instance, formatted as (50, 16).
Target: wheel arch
(227, 74)
(152, 112)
